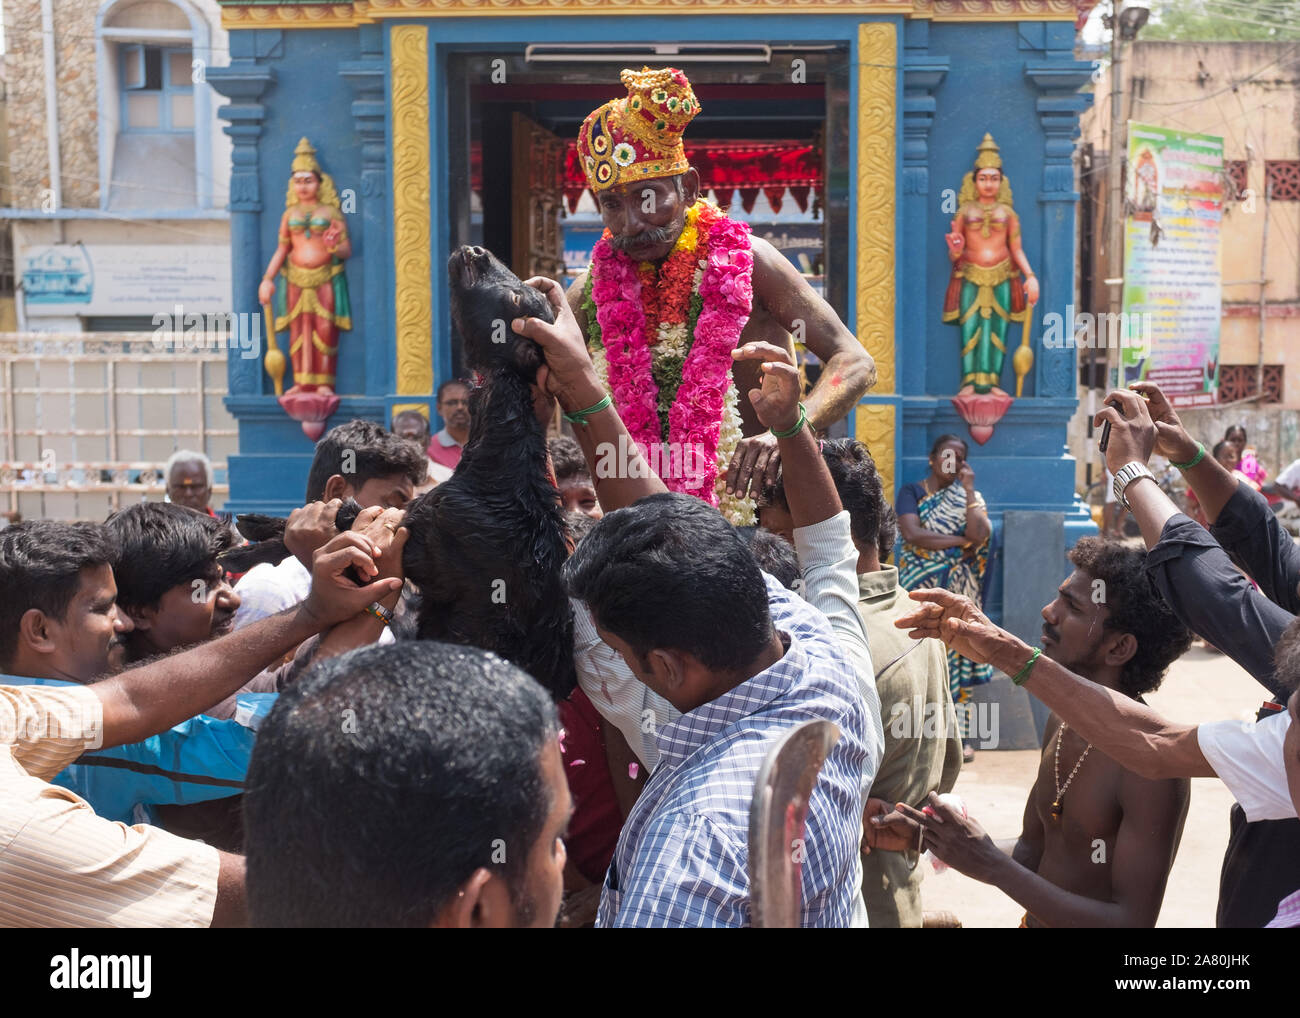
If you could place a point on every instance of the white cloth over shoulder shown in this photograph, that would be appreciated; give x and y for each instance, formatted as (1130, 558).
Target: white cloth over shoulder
(1247, 756)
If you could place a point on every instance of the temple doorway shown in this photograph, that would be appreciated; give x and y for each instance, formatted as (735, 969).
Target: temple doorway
(771, 145)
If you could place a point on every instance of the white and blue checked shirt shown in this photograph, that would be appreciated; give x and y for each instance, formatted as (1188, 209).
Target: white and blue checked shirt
(682, 856)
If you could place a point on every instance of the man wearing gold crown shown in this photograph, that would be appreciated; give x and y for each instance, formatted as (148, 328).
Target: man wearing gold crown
(674, 286)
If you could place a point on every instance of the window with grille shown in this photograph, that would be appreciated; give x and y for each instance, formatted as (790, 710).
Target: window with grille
(1283, 177)
(1235, 171)
(1237, 381)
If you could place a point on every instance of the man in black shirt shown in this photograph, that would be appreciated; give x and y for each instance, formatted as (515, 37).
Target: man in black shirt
(1189, 567)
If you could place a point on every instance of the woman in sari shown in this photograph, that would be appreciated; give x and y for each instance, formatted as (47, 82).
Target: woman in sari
(945, 528)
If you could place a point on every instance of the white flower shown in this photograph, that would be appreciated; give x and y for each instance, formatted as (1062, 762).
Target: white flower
(739, 512)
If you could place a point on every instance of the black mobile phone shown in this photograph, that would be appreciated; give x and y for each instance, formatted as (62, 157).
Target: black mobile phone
(1105, 427)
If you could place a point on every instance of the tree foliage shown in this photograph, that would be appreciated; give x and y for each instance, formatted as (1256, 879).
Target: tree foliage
(1223, 20)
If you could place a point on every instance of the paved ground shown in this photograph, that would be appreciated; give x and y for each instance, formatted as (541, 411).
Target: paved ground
(1202, 686)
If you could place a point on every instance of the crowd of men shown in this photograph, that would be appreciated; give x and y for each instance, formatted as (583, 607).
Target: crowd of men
(179, 750)
(181, 745)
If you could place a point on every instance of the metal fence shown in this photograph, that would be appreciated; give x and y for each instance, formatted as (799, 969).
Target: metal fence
(89, 419)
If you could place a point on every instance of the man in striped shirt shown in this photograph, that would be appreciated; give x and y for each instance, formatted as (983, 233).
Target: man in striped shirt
(676, 591)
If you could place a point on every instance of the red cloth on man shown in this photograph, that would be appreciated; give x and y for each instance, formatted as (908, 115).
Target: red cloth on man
(597, 820)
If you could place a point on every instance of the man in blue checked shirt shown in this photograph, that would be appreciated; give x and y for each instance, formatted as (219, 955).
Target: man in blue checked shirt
(676, 591)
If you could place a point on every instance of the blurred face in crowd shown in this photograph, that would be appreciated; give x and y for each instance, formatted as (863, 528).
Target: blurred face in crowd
(187, 485)
(453, 408)
(579, 495)
(188, 614)
(946, 461)
(412, 427)
(87, 642)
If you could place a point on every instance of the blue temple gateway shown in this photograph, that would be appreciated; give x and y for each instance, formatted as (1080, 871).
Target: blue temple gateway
(841, 131)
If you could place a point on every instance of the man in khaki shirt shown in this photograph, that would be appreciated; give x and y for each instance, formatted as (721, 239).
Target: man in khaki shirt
(922, 742)
(60, 863)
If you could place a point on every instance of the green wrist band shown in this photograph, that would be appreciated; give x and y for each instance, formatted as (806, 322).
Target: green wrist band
(1200, 455)
(803, 419)
(1023, 675)
(580, 416)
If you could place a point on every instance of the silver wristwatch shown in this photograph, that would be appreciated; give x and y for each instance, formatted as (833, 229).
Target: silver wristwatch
(1125, 476)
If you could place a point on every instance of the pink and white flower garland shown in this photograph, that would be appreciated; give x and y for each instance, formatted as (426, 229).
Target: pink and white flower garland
(706, 398)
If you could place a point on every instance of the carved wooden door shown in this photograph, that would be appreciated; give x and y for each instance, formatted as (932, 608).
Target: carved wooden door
(537, 197)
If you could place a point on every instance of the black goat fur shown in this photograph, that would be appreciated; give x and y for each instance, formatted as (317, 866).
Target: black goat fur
(267, 535)
(486, 547)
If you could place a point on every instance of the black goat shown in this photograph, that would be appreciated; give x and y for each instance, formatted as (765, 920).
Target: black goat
(486, 546)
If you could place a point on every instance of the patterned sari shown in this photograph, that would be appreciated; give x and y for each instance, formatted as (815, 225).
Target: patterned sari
(944, 512)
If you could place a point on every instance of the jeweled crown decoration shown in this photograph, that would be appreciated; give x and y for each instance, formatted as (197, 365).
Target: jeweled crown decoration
(639, 137)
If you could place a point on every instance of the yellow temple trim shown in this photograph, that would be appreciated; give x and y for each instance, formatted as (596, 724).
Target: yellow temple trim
(412, 219)
(875, 427)
(235, 15)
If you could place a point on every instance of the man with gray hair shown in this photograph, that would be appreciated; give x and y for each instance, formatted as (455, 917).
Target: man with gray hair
(189, 480)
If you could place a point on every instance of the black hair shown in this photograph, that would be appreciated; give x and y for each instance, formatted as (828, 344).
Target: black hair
(859, 486)
(858, 483)
(375, 451)
(567, 458)
(1134, 606)
(1286, 657)
(887, 534)
(774, 554)
(161, 545)
(424, 421)
(1235, 427)
(670, 573)
(943, 440)
(385, 777)
(40, 567)
(469, 386)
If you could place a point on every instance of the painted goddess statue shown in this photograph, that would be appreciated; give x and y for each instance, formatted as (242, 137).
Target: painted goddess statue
(313, 303)
(985, 292)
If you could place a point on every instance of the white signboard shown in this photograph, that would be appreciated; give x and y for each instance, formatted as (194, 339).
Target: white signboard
(109, 279)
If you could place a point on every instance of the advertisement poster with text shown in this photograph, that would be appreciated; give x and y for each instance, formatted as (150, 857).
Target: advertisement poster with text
(1172, 274)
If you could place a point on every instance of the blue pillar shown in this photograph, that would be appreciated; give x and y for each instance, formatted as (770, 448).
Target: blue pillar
(922, 74)
(243, 82)
(1058, 79)
(372, 248)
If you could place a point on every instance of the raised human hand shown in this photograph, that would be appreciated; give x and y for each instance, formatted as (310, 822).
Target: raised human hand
(943, 615)
(334, 596)
(568, 372)
(309, 527)
(384, 530)
(1132, 432)
(1172, 440)
(757, 459)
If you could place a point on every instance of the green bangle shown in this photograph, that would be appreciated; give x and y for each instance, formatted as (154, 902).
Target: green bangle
(1022, 676)
(803, 419)
(1200, 455)
(580, 416)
